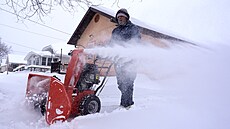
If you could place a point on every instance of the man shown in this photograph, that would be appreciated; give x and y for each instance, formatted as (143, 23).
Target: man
(125, 33)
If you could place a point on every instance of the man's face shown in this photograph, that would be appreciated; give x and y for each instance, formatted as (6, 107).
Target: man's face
(122, 20)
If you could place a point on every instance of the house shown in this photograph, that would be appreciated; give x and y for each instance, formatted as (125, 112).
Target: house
(3, 65)
(43, 60)
(13, 62)
(98, 22)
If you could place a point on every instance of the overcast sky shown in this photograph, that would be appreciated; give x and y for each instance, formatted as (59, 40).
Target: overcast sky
(204, 21)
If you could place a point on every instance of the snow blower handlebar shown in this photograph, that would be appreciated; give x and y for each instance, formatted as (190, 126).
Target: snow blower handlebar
(105, 75)
(100, 88)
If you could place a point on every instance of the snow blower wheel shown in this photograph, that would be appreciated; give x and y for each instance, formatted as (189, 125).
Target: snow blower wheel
(90, 105)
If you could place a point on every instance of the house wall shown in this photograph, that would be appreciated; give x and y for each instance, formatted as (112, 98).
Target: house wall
(3, 68)
(37, 60)
(32, 60)
(98, 32)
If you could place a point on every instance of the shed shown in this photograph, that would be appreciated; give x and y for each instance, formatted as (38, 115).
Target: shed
(98, 22)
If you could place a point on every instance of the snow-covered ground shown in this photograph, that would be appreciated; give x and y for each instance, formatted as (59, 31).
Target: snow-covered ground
(182, 87)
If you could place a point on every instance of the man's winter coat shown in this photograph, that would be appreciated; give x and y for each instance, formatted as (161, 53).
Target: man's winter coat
(124, 33)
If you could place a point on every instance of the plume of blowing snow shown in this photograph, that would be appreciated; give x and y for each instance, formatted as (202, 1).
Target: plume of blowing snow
(200, 76)
(156, 62)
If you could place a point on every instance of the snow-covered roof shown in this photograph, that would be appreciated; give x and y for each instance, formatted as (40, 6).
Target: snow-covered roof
(146, 27)
(41, 53)
(57, 48)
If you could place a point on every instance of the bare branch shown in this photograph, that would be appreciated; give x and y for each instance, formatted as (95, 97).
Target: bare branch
(26, 9)
(4, 49)
(117, 3)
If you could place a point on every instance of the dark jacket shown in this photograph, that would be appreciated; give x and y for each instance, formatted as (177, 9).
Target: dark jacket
(124, 33)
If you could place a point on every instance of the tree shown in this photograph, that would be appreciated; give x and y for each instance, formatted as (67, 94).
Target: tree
(25, 9)
(4, 49)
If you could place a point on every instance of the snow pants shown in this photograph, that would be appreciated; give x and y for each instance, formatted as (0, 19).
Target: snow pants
(126, 75)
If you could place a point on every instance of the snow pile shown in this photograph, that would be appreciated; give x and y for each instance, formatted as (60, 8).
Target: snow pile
(181, 87)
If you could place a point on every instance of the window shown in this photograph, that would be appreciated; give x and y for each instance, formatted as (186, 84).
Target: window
(97, 18)
(36, 61)
(43, 60)
(29, 62)
(49, 61)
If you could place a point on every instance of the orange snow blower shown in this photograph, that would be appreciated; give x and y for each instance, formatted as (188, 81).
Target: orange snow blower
(78, 95)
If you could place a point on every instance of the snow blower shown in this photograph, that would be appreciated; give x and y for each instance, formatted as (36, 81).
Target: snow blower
(78, 95)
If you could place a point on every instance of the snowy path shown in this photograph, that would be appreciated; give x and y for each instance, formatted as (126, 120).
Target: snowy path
(15, 114)
(183, 91)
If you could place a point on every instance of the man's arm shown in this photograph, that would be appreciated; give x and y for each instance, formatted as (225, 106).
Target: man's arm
(136, 33)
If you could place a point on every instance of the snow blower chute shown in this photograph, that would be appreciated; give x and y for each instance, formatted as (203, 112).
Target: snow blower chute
(78, 95)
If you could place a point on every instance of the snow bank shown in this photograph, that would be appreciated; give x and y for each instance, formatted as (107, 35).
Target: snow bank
(184, 87)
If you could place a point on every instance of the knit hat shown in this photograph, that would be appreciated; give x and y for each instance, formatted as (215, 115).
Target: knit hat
(122, 12)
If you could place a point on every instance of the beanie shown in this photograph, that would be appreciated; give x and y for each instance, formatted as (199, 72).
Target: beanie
(122, 12)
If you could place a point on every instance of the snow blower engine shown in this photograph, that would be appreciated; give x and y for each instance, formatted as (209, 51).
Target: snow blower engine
(78, 95)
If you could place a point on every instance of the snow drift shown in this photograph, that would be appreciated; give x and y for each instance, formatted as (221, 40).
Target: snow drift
(182, 87)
